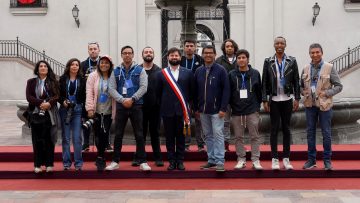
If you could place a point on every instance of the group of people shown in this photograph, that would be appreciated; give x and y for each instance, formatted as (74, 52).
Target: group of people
(217, 92)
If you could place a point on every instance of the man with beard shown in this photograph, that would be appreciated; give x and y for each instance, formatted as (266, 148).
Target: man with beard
(88, 66)
(128, 84)
(280, 86)
(228, 61)
(151, 106)
(192, 61)
(175, 89)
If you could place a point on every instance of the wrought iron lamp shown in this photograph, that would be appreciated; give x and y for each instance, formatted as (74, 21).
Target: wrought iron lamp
(75, 13)
(316, 11)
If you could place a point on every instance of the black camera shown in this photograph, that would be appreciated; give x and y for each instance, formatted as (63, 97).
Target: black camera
(87, 124)
(42, 112)
(70, 109)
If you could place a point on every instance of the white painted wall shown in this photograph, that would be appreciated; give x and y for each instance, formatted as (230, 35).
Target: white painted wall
(13, 82)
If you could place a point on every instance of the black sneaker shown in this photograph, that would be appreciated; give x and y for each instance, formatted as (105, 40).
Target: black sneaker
(85, 148)
(208, 166)
(327, 165)
(109, 148)
(135, 163)
(309, 164)
(100, 163)
(187, 148)
(201, 149)
(159, 163)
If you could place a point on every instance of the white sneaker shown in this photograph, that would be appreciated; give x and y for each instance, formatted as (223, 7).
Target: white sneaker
(240, 164)
(287, 164)
(275, 164)
(49, 169)
(145, 167)
(113, 165)
(257, 165)
(37, 170)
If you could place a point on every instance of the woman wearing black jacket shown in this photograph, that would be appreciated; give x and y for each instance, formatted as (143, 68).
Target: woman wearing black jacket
(72, 98)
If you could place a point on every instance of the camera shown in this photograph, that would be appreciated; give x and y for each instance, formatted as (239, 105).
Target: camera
(42, 113)
(70, 109)
(87, 124)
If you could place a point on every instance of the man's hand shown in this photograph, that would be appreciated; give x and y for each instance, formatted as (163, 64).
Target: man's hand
(45, 106)
(295, 105)
(221, 114)
(322, 94)
(266, 106)
(128, 102)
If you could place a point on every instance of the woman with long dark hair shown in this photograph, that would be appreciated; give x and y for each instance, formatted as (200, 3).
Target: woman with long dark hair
(100, 106)
(42, 93)
(72, 98)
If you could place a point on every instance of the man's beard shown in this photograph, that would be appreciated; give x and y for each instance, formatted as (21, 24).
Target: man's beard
(174, 62)
(148, 59)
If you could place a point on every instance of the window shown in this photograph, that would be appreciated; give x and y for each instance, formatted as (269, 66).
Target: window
(28, 7)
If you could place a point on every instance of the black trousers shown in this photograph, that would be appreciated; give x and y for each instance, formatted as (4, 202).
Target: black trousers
(102, 130)
(136, 117)
(280, 111)
(175, 139)
(151, 124)
(42, 144)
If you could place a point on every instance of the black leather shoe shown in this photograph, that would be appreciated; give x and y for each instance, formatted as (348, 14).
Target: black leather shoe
(180, 166)
(172, 166)
(159, 163)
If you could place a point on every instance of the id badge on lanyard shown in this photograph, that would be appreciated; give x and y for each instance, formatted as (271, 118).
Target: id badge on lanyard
(103, 96)
(243, 94)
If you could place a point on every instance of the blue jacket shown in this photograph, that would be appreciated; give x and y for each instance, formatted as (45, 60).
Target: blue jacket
(213, 91)
(170, 105)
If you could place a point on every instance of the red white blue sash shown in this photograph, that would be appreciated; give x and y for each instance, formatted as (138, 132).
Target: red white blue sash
(174, 86)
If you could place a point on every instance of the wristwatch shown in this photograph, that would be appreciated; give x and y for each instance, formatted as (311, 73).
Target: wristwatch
(133, 99)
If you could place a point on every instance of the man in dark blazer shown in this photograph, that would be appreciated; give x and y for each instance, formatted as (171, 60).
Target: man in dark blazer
(171, 109)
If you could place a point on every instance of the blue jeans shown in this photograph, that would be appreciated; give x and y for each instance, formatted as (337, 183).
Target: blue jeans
(74, 128)
(213, 127)
(313, 114)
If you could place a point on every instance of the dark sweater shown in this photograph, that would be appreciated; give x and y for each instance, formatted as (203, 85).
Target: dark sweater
(81, 90)
(149, 97)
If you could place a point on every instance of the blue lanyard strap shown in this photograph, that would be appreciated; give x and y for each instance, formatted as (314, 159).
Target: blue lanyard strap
(102, 85)
(122, 72)
(90, 63)
(281, 66)
(243, 83)
(192, 63)
(68, 88)
(313, 67)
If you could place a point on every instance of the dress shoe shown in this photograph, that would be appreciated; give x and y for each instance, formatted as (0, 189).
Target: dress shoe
(172, 166)
(180, 166)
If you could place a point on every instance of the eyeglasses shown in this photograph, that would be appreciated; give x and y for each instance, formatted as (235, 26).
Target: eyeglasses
(127, 53)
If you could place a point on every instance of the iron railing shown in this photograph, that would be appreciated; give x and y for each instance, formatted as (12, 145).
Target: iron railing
(36, 4)
(347, 60)
(18, 49)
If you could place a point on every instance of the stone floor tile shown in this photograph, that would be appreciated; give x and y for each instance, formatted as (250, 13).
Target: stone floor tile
(350, 199)
(147, 201)
(236, 194)
(271, 200)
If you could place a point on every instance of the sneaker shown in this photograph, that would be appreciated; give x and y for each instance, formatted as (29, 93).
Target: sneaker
(240, 164)
(67, 168)
(208, 166)
(145, 167)
(220, 168)
(109, 148)
(49, 169)
(275, 164)
(227, 146)
(180, 166)
(100, 163)
(287, 164)
(78, 168)
(257, 165)
(85, 148)
(37, 170)
(187, 148)
(327, 165)
(159, 163)
(135, 163)
(309, 164)
(113, 165)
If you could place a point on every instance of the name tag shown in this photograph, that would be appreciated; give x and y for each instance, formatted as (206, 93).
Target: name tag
(124, 90)
(129, 84)
(243, 94)
(72, 98)
(313, 89)
(103, 98)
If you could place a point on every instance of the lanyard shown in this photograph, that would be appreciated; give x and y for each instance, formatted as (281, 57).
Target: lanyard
(243, 83)
(91, 65)
(68, 88)
(281, 66)
(42, 86)
(312, 66)
(122, 72)
(192, 63)
(102, 85)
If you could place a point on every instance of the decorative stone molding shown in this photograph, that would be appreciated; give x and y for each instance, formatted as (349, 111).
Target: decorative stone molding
(29, 11)
(352, 6)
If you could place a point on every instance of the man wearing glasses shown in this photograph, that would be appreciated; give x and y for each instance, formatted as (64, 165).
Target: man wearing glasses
(128, 84)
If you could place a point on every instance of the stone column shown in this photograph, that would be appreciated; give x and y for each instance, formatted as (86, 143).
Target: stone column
(237, 21)
(153, 29)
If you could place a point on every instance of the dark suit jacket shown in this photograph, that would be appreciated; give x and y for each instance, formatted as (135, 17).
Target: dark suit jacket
(31, 95)
(170, 104)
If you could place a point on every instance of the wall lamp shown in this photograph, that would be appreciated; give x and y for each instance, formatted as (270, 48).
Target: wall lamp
(75, 13)
(316, 11)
